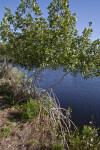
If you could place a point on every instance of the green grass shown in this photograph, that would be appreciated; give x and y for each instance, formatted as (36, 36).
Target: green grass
(29, 110)
(5, 132)
(58, 146)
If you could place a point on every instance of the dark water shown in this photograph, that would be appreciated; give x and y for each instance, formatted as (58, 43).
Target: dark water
(82, 95)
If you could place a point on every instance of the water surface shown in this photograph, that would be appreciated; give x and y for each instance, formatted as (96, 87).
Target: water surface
(82, 95)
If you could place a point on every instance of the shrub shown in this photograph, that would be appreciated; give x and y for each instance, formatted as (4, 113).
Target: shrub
(30, 109)
(58, 146)
(5, 91)
(88, 139)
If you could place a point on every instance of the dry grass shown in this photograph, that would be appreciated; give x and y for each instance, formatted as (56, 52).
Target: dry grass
(49, 127)
(16, 134)
(23, 136)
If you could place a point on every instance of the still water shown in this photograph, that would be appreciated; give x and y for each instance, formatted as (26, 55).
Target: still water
(82, 95)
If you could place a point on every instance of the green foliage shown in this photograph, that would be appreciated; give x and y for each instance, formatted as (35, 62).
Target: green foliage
(87, 139)
(58, 146)
(5, 131)
(53, 43)
(8, 123)
(2, 50)
(32, 41)
(16, 75)
(30, 110)
(1, 75)
(5, 91)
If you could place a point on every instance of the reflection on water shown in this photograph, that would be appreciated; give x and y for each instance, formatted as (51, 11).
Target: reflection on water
(82, 95)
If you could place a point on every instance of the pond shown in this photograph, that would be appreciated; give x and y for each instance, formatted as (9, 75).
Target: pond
(81, 95)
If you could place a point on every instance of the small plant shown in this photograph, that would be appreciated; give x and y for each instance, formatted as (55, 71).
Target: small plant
(8, 123)
(87, 139)
(29, 109)
(58, 146)
(12, 119)
(29, 143)
(5, 131)
(5, 91)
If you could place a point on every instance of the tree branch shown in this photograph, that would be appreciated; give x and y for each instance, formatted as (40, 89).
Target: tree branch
(58, 81)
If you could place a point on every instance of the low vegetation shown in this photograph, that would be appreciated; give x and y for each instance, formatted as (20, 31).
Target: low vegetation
(30, 109)
(38, 123)
(29, 40)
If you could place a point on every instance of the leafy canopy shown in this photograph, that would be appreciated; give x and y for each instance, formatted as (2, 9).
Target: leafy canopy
(33, 41)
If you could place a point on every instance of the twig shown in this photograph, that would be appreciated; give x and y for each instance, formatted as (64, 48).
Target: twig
(51, 87)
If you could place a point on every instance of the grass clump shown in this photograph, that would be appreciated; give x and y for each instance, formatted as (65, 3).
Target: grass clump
(29, 110)
(5, 132)
(58, 146)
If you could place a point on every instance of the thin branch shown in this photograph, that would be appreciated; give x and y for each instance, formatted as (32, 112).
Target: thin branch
(57, 82)
(37, 74)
